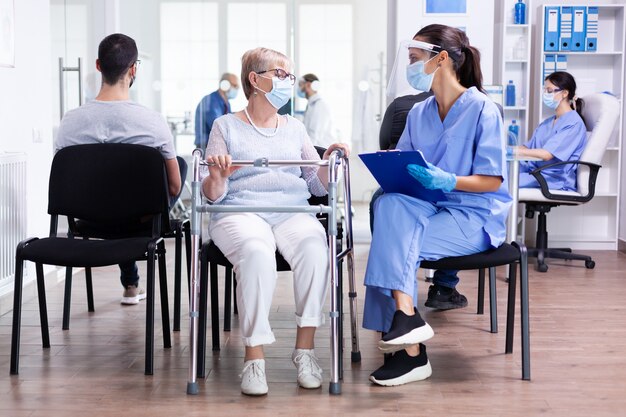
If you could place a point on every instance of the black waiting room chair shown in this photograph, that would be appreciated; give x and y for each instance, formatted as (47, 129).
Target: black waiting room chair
(176, 228)
(122, 187)
(506, 254)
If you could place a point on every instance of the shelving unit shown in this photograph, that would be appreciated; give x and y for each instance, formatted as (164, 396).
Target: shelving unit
(596, 223)
(513, 42)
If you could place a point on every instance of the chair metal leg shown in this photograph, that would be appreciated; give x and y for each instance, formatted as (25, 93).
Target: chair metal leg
(481, 292)
(493, 302)
(89, 284)
(215, 312)
(67, 298)
(149, 360)
(165, 310)
(177, 277)
(524, 301)
(202, 319)
(228, 296)
(355, 355)
(43, 309)
(187, 230)
(510, 309)
(230, 273)
(17, 312)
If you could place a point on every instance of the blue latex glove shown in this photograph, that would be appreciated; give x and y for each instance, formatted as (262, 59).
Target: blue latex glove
(432, 178)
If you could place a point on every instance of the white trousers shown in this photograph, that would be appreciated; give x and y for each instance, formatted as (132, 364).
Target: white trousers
(250, 243)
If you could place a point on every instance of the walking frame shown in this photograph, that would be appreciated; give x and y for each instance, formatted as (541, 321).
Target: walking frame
(337, 163)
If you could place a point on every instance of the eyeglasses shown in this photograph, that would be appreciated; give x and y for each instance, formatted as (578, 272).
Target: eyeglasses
(281, 74)
(136, 63)
(551, 90)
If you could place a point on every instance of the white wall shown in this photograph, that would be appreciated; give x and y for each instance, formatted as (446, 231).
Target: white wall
(479, 24)
(25, 105)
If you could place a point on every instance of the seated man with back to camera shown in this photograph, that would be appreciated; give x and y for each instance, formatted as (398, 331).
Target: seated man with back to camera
(113, 118)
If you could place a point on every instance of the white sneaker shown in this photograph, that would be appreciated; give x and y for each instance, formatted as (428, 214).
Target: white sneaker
(309, 372)
(132, 295)
(253, 380)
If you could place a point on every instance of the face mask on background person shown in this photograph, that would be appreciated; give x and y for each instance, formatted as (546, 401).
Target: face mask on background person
(416, 76)
(281, 92)
(232, 93)
(301, 93)
(550, 101)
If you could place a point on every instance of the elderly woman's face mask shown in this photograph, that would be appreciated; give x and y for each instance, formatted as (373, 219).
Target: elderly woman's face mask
(282, 89)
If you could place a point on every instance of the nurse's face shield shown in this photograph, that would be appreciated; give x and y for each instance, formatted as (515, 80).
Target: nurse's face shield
(408, 53)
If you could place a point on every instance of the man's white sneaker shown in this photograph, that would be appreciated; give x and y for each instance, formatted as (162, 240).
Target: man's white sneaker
(309, 372)
(132, 295)
(253, 380)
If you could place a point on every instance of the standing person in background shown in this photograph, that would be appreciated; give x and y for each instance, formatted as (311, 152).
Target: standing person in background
(213, 106)
(317, 118)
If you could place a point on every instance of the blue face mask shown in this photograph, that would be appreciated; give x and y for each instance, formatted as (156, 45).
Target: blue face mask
(550, 101)
(301, 93)
(232, 93)
(416, 76)
(282, 91)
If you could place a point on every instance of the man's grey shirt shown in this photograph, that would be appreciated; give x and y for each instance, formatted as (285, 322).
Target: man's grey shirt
(115, 122)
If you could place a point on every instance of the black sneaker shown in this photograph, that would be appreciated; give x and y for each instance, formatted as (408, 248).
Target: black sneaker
(445, 298)
(405, 331)
(402, 369)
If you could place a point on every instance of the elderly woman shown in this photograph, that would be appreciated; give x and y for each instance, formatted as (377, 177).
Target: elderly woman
(249, 240)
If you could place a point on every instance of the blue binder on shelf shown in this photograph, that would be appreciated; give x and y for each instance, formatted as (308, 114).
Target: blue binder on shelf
(551, 29)
(578, 28)
(549, 64)
(389, 170)
(591, 44)
(565, 26)
(561, 63)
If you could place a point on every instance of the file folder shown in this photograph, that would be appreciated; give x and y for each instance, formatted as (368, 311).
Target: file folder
(551, 29)
(566, 28)
(592, 29)
(561, 63)
(549, 64)
(389, 170)
(578, 28)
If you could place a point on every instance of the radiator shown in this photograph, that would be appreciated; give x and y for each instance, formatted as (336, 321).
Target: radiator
(12, 210)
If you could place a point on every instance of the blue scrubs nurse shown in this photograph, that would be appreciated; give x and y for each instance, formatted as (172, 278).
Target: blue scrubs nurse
(459, 131)
(561, 137)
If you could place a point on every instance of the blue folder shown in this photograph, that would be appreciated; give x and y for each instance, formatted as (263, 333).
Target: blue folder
(567, 17)
(551, 28)
(389, 169)
(578, 28)
(592, 29)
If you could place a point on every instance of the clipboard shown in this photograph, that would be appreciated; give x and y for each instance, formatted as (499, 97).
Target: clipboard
(389, 170)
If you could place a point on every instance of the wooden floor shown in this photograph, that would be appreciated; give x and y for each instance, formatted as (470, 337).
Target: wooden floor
(578, 340)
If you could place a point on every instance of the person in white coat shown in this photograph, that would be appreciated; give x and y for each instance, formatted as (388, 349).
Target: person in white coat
(317, 117)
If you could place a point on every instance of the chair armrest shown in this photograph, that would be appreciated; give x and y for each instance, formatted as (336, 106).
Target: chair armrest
(593, 175)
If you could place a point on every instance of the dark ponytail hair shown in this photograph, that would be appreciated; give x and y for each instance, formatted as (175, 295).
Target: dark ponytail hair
(565, 81)
(465, 58)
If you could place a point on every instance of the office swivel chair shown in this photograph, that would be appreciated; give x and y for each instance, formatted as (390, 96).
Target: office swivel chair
(601, 113)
